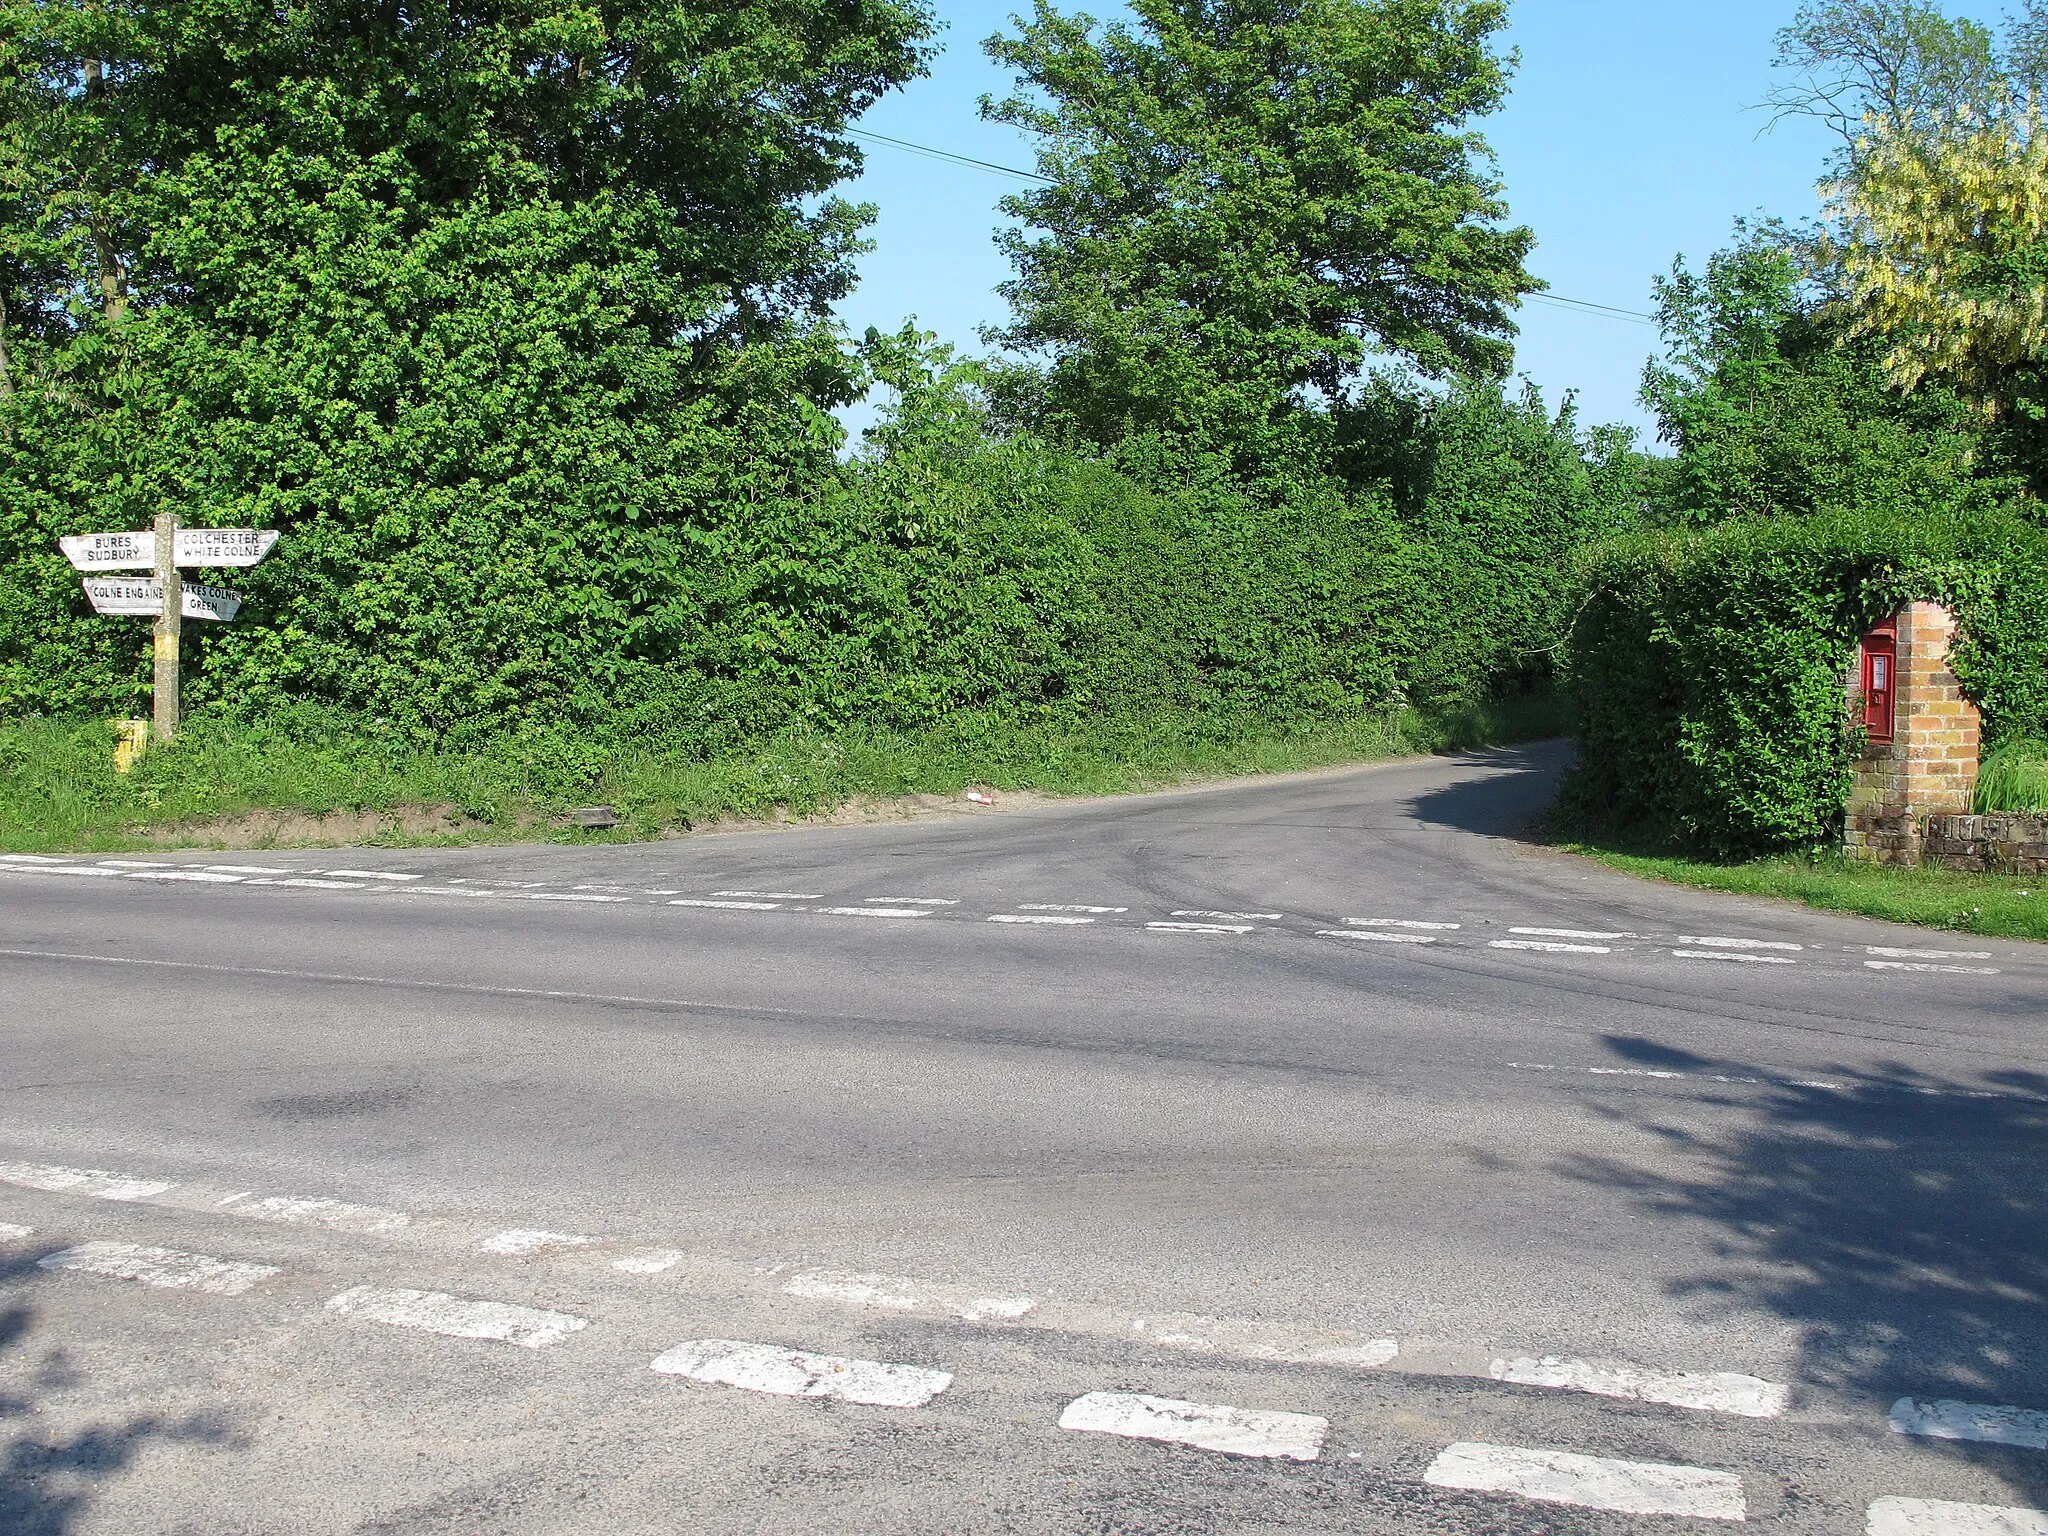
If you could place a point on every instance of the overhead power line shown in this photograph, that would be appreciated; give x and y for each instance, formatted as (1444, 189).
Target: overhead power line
(1583, 306)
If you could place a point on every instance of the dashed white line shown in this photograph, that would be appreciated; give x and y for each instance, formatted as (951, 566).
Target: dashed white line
(734, 906)
(28, 858)
(1722, 954)
(1928, 965)
(558, 896)
(11, 1233)
(1199, 927)
(335, 1215)
(1373, 934)
(96, 1182)
(316, 885)
(1716, 943)
(1048, 906)
(67, 869)
(457, 1317)
(1750, 1397)
(1259, 1341)
(1590, 1482)
(520, 1242)
(165, 1267)
(1894, 1516)
(1570, 933)
(915, 901)
(876, 911)
(1245, 917)
(369, 874)
(196, 876)
(1993, 1423)
(1037, 917)
(798, 1373)
(251, 869)
(1206, 1426)
(650, 1261)
(889, 1293)
(1926, 954)
(135, 864)
(775, 895)
(1550, 946)
(1396, 922)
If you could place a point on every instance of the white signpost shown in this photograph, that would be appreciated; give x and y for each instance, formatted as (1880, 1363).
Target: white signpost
(162, 550)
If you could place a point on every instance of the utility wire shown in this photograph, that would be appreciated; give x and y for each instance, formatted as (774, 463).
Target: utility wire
(1582, 306)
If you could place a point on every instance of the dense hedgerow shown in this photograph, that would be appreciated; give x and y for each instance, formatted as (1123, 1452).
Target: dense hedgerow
(1708, 670)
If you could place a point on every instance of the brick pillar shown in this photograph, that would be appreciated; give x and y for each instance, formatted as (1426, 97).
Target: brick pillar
(1929, 768)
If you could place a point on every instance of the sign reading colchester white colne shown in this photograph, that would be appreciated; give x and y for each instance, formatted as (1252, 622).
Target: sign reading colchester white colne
(163, 595)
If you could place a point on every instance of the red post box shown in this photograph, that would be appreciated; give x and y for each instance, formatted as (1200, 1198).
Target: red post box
(1880, 681)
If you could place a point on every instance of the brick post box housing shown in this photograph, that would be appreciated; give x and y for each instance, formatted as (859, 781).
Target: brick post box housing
(1929, 767)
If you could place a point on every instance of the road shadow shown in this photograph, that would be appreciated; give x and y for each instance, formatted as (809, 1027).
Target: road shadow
(48, 1481)
(1506, 797)
(1899, 1220)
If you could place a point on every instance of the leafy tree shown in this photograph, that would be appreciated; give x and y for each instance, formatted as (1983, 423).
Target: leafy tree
(1249, 199)
(1906, 61)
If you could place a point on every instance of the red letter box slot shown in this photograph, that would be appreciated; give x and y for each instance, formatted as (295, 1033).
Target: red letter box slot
(1880, 682)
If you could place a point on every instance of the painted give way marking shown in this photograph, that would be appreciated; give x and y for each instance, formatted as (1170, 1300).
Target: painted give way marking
(457, 1317)
(165, 1267)
(1206, 1426)
(1590, 1482)
(1750, 1397)
(1939, 1517)
(798, 1373)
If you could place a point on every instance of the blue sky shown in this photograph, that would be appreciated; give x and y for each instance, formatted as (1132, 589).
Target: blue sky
(1629, 138)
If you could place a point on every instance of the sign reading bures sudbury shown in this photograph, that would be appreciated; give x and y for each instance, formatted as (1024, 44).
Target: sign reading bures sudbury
(164, 595)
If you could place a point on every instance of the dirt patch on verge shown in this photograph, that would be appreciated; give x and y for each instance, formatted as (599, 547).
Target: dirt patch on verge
(873, 810)
(329, 829)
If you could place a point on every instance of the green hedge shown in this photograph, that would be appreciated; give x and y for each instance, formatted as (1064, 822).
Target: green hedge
(1706, 670)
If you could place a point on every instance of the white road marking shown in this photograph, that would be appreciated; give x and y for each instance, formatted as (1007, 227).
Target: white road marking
(736, 906)
(135, 864)
(1206, 1426)
(332, 1214)
(1926, 954)
(165, 1267)
(1036, 917)
(650, 1261)
(1591, 1482)
(1383, 938)
(10, 1233)
(1047, 906)
(1395, 922)
(1570, 933)
(1925, 965)
(1686, 938)
(449, 890)
(510, 885)
(97, 1182)
(69, 869)
(798, 1373)
(1782, 1082)
(1248, 917)
(368, 874)
(457, 1317)
(1894, 1516)
(775, 895)
(1722, 954)
(890, 1293)
(916, 901)
(558, 896)
(199, 876)
(1199, 927)
(28, 858)
(1258, 1341)
(519, 1242)
(876, 911)
(318, 885)
(1550, 946)
(251, 869)
(1751, 1397)
(1994, 1423)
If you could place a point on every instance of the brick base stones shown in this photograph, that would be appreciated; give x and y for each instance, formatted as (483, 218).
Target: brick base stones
(2011, 845)
(1929, 767)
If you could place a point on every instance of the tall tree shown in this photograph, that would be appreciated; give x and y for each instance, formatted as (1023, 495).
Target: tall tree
(1248, 199)
(1906, 61)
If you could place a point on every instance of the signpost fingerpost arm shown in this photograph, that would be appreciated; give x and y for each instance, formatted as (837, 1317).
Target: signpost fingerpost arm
(169, 626)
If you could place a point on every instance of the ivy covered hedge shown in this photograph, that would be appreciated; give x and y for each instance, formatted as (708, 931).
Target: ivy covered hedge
(1706, 669)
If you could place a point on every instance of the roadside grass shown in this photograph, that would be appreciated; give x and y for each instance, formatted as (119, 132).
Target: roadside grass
(313, 778)
(1994, 906)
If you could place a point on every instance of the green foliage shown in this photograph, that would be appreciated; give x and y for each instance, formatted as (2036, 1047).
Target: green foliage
(1249, 197)
(1708, 669)
(2014, 777)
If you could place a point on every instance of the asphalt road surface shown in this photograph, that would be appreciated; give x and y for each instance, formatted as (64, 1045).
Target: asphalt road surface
(1305, 1155)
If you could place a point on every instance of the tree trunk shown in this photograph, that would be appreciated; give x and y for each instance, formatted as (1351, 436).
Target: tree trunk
(113, 272)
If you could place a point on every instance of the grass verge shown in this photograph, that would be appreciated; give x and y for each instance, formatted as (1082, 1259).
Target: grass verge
(1996, 906)
(316, 778)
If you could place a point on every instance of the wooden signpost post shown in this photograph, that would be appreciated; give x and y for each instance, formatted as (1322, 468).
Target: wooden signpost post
(164, 594)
